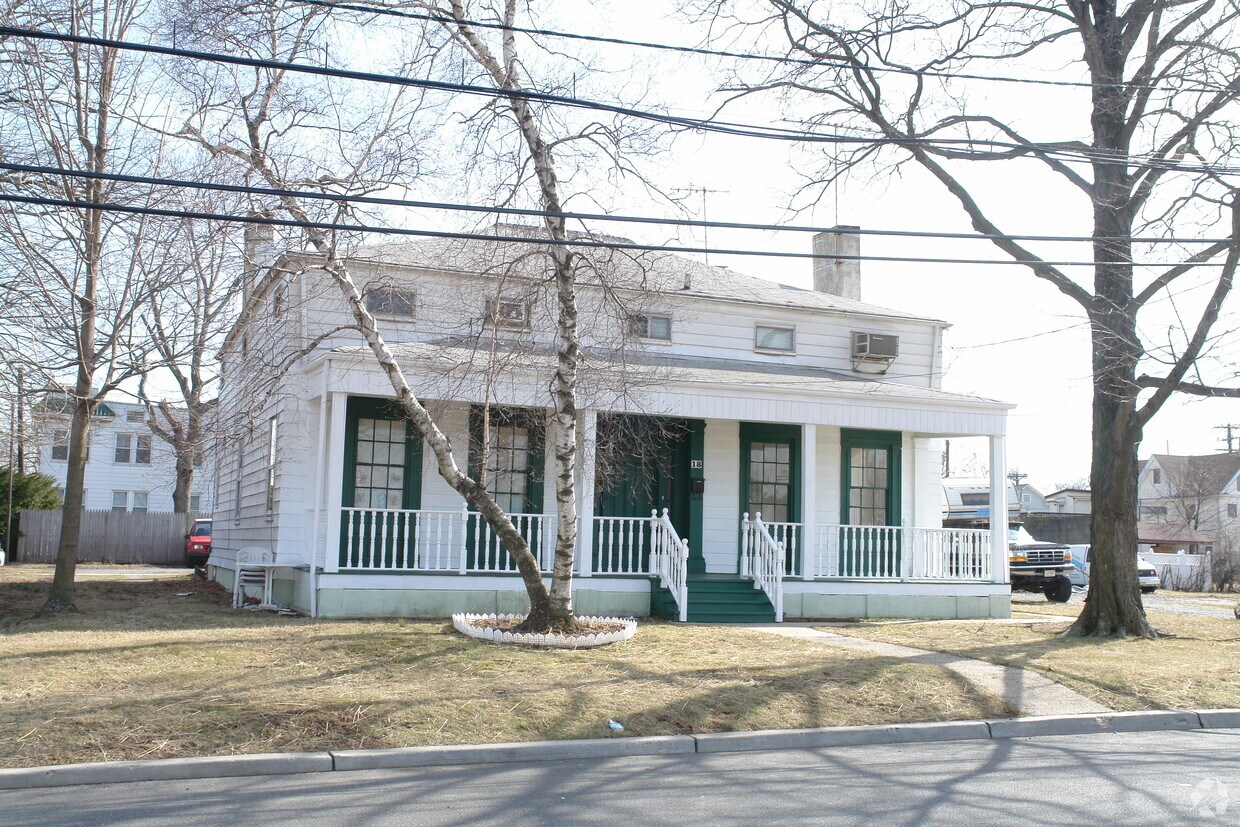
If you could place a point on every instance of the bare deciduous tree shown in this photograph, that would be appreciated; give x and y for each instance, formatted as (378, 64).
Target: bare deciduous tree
(1161, 125)
(78, 275)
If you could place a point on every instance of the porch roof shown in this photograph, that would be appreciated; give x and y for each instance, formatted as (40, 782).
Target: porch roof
(703, 387)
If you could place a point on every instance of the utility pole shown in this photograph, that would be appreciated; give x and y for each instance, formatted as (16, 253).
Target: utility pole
(1016, 477)
(1232, 437)
(704, 191)
(21, 424)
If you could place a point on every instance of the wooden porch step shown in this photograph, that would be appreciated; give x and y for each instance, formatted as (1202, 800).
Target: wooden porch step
(715, 599)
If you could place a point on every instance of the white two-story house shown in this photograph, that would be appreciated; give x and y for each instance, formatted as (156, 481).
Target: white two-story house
(779, 445)
(1198, 492)
(128, 468)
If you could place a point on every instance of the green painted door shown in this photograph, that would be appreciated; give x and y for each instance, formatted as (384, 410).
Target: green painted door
(513, 441)
(771, 481)
(870, 485)
(643, 466)
(382, 475)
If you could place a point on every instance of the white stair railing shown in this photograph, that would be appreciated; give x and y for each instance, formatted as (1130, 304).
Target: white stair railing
(669, 560)
(762, 558)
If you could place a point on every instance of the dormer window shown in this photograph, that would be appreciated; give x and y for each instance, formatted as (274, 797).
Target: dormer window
(651, 326)
(774, 338)
(512, 315)
(390, 301)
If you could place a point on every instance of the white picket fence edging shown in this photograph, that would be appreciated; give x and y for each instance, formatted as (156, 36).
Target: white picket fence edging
(464, 623)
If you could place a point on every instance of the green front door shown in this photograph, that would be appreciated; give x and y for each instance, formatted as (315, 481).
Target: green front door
(870, 482)
(382, 476)
(771, 481)
(512, 441)
(643, 466)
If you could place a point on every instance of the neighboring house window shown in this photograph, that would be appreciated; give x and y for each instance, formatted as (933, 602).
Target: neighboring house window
(120, 500)
(390, 301)
(124, 447)
(195, 503)
(1157, 474)
(139, 502)
(197, 458)
(135, 416)
(650, 326)
(768, 337)
(1156, 510)
(1232, 510)
(60, 444)
(133, 448)
(1190, 513)
(514, 315)
(271, 465)
(279, 301)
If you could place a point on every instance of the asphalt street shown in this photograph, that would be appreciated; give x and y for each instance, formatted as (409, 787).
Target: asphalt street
(1142, 778)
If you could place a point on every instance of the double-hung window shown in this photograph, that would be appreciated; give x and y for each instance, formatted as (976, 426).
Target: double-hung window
(133, 448)
(60, 444)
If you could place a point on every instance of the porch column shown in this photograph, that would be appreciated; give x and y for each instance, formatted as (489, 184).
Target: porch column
(336, 406)
(809, 495)
(585, 493)
(998, 511)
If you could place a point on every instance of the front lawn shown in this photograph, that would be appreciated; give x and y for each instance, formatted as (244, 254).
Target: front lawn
(1196, 666)
(143, 673)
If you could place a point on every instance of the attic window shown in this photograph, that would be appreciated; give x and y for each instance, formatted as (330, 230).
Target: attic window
(769, 337)
(390, 301)
(1157, 474)
(513, 315)
(650, 326)
(135, 416)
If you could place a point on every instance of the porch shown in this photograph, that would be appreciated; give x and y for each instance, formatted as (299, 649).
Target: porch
(705, 515)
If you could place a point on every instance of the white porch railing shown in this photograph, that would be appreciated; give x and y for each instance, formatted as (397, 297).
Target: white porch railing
(669, 560)
(380, 539)
(857, 552)
(762, 558)
(622, 544)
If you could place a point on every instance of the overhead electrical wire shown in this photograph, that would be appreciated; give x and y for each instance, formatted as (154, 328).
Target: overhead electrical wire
(547, 242)
(701, 50)
(1085, 155)
(345, 198)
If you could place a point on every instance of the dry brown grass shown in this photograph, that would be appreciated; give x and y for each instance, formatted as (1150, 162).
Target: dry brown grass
(140, 672)
(1195, 666)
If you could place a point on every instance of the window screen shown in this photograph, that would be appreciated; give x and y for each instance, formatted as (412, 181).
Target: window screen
(646, 326)
(868, 486)
(120, 500)
(379, 474)
(770, 480)
(508, 466)
(124, 443)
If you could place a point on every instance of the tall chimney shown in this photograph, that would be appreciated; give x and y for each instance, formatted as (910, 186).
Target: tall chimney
(259, 250)
(839, 277)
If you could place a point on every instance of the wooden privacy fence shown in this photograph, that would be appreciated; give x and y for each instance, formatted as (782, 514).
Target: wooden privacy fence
(153, 537)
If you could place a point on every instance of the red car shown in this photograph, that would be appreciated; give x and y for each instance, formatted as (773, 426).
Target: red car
(198, 543)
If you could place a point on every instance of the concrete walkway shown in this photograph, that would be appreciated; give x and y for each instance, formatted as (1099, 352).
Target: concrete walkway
(1027, 691)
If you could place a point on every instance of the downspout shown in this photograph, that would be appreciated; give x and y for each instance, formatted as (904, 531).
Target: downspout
(318, 491)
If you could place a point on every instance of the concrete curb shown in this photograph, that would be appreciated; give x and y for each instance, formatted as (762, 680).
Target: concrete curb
(224, 766)
(166, 769)
(377, 759)
(842, 736)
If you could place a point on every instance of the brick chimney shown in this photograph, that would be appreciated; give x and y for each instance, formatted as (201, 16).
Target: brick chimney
(839, 277)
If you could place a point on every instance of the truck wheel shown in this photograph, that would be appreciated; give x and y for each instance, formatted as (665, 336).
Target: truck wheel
(1059, 591)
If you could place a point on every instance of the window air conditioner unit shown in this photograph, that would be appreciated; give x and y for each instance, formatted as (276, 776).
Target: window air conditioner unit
(874, 352)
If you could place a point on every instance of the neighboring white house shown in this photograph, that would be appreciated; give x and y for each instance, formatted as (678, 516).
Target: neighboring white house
(128, 468)
(1068, 501)
(821, 412)
(1200, 492)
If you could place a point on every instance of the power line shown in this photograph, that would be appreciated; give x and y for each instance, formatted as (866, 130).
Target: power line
(344, 198)
(1084, 155)
(550, 242)
(699, 50)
